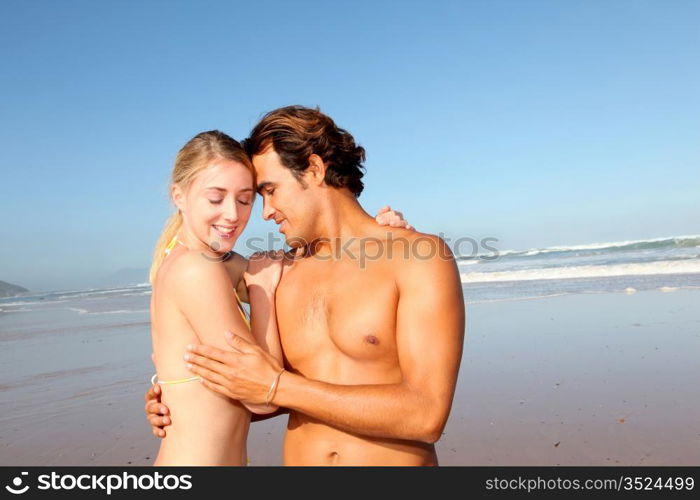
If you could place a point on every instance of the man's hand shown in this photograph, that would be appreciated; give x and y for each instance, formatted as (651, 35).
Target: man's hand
(246, 373)
(156, 412)
(389, 217)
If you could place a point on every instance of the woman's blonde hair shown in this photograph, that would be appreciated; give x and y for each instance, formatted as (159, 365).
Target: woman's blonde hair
(194, 157)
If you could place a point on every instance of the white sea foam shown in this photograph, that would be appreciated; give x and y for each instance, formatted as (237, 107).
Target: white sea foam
(100, 291)
(33, 303)
(16, 303)
(106, 291)
(558, 273)
(465, 263)
(511, 299)
(147, 292)
(121, 311)
(118, 311)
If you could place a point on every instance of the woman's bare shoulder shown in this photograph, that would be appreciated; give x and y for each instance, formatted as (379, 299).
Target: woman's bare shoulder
(194, 271)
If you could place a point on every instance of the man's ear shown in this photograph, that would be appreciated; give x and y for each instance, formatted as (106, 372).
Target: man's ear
(316, 172)
(178, 197)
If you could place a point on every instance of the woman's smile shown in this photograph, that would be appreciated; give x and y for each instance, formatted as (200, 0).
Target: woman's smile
(225, 232)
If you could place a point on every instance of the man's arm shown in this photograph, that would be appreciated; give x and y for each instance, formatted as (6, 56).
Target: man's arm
(236, 266)
(261, 279)
(429, 335)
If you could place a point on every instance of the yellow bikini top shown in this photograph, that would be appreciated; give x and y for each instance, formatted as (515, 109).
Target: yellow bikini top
(239, 304)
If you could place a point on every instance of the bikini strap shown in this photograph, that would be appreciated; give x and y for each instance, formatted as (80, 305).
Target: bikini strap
(246, 319)
(171, 245)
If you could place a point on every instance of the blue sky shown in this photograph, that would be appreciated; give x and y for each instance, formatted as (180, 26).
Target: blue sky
(536, 122)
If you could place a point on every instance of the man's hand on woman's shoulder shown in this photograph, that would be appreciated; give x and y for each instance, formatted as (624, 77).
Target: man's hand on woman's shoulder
(387, 216)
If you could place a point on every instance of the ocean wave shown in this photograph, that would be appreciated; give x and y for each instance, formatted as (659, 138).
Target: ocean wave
(22, 303)
(118, 311)
(592, 271)
(40, 302)
(523, 298)
(467, 262)
(121, 311)
(104, 291)
(689, 241)
(147, 292)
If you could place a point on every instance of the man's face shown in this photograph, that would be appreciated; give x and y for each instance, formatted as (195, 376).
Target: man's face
(285, 200)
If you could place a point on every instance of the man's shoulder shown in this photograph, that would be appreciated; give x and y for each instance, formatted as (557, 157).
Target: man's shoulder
(419, 259)
(413, 247)
(430, 270)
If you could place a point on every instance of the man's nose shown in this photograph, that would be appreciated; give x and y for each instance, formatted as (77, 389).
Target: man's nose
(268, 210)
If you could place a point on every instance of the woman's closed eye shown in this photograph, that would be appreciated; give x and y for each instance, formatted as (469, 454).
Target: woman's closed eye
(216, 202)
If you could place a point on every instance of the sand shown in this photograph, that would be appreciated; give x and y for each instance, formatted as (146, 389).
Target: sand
(587, 379)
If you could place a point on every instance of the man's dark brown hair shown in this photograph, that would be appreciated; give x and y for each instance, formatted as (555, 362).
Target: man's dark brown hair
(297, 132)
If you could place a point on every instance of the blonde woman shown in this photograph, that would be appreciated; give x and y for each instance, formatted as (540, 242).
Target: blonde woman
(196, 297)
(197, 293)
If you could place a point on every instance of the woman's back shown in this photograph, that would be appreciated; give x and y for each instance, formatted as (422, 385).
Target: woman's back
(194, 302)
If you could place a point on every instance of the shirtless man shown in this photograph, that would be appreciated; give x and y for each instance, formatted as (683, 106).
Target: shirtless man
(371, 322)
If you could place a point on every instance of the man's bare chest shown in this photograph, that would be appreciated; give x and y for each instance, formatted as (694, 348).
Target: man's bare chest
(336, 307)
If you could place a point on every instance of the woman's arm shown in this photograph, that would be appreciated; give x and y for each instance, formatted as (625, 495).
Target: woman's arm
(204, 294)
(263, 326)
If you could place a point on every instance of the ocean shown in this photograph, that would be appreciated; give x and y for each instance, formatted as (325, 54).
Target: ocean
(627, 266)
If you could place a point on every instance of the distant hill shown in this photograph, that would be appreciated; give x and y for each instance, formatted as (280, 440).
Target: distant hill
(10, 290)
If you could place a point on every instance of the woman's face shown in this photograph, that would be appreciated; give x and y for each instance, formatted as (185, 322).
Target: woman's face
(217, 205)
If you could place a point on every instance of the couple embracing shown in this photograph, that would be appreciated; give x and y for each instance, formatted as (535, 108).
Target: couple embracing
(356, 332)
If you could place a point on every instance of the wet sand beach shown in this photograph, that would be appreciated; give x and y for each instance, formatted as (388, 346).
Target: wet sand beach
(580, 379)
